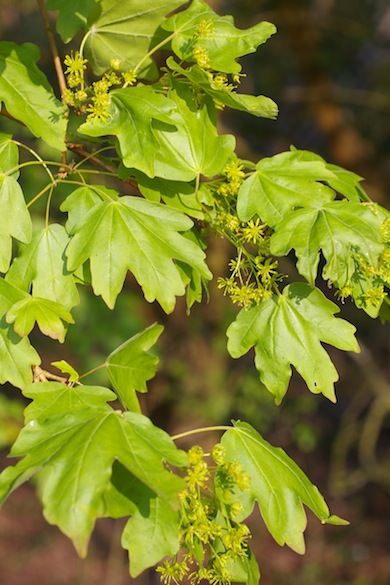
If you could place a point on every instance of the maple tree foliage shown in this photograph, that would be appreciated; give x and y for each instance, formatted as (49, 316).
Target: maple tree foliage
(124, 118)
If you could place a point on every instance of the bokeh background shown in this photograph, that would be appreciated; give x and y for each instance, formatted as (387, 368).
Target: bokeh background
(328, 68)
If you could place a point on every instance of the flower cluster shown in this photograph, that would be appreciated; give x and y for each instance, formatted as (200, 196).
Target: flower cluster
(93, 99)
(212, 540)
(253, 272)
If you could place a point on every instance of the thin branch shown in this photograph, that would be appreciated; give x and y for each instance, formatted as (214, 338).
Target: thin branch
(53, 47)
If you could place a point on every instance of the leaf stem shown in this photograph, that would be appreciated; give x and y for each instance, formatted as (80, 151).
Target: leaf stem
(92, 371)
(48, 204)
(152, 51)
(53, 46)
(201, 430)
(42, 192)
(36, 155)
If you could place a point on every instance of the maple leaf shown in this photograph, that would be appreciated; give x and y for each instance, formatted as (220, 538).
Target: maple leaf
(15, 220)
(131, 112)
(338, 228)
(131, 365)
(281, 183)
(116, 27)
(277, 483)
(222, 41)
(288, 330)
(139, 235)
(28, 95)
(41, 265)
(75, 434)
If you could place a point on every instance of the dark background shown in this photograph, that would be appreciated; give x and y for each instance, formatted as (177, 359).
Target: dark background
(328, 68)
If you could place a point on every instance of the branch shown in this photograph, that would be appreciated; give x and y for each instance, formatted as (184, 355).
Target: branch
(53, 47)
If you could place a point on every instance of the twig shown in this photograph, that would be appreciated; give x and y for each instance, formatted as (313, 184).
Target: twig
(53, 47)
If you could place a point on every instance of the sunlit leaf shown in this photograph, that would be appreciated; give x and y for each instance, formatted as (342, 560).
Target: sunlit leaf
(41, 266)
(66, 368)
(222, 41)
(72, 16)
(9, 155)
(79, 442)
(281, 183)
(131, 365)
(51, 317)
(288, 329)
(15, 220)
(339, 229)
(125, 29)
(131, 112)
(28, 96)
(140, 236)
(259, 106)
(194, 148)
(278, 485)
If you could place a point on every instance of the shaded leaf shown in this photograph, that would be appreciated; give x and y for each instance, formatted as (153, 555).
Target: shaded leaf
(288, 330)
(141, 236)
(28, 96)
(281, 183)
(124, 29)
(15, 220)
(131, 365)
(224, 43)
(278, 485)
(41, 265)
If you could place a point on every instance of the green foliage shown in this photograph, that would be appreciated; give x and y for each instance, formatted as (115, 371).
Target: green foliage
(138, 180)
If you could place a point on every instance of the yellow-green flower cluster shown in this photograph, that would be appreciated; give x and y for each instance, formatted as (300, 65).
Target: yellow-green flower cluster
(93, 99)
(211, 539)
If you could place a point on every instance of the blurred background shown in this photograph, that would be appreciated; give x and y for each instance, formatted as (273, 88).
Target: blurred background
(328, 68)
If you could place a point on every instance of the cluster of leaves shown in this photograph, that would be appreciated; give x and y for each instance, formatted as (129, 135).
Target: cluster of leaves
(152, 180)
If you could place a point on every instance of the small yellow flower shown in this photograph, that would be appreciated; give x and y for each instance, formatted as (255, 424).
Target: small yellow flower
(129, 77)
(201, 57)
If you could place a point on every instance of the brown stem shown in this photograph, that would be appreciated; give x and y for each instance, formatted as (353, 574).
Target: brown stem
(84, 154)
(53, 47)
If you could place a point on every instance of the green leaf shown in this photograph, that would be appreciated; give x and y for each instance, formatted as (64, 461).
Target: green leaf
(281, 183)
(176, 194)
(141, 236)
(50, 317)
(16, 354)
(277, 483)
(78, 443)
(131, 365)
(288, 330)
(194, 148)
(72, 16)
(81, 201)
(153, 529)
(9, 155)
(28, 95)
(151, 534)
(343, 181)
(224, 43)
(340, 229)
(66, 368)
(17, 357)
(125, 29)
(15, 220)
(259, 106)
(41, 264)
(131, 113)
